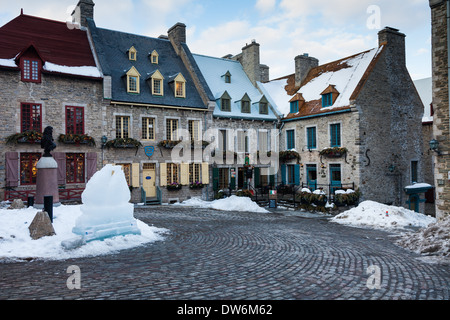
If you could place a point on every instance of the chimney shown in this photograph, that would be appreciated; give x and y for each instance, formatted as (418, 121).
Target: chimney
(83, 10)
(395, 44)
(250, 61)
(177, 35)
(303, 64)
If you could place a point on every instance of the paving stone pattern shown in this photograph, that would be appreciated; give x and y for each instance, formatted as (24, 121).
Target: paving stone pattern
(213, 255)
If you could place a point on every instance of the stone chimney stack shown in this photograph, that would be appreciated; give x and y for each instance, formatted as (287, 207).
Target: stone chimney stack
(251, 62)
(177, 35)
(83, 10)
(303, 64)
(395, 44)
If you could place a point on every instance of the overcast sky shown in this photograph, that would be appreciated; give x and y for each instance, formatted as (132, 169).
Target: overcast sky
(326, 29)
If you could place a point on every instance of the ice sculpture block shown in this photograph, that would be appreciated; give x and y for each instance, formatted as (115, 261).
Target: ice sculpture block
(106, 210)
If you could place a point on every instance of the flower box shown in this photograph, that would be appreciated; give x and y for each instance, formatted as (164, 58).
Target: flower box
(289, 155)
(25, 137)
(123, 143)
(196, 185)
(335, 152)
(175, 186)
(76, 139)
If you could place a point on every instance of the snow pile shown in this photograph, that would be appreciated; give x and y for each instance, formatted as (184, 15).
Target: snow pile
(432, 240)
(16, 243)
(233, 203)
(87, 71)
(377, 215)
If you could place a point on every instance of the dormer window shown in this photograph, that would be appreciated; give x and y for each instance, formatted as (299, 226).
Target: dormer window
(245, 104)
(296, 102)
(263, 106)
(133, 77)
(157, 83)
(329, 96)
(227, 77)
(180, 86)
(132, 54)
(31, 70)
(154, 57)
(225, 102)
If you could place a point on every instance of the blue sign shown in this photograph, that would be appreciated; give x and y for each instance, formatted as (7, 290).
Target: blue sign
(149, 151)
(148, 178)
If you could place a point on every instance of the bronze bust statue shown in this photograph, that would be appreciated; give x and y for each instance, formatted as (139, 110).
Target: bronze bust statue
(47, 141)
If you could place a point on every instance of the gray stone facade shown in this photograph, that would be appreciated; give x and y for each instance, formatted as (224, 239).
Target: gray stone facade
(441, 125)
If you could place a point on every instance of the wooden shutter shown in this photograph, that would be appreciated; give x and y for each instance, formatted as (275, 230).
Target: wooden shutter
(91, 165)
(135, 175)
(163, 174)
(297, 174)
(184, 173)
(205, 173)
(12, 169)
(60, 158)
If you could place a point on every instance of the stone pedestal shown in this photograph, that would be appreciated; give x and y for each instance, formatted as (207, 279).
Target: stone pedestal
(46, 182)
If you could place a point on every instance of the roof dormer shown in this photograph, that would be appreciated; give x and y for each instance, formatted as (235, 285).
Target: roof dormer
(133, 77)
(329, 96)
(154, 57)
(227, 77)
(132, 54)
(157, 83)
(296, 102)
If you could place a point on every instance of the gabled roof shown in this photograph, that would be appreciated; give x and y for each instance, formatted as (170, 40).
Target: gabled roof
(213, 70)
(109, 46)
(345, 76)
(55, 42)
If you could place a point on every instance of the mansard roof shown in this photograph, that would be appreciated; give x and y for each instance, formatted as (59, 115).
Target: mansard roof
(111, 46)
(62, 50)
(240, 86)
(345, 76)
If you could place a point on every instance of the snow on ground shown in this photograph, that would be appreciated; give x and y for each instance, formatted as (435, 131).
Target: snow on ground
(233, 203)
(16, 243)
(373, 214)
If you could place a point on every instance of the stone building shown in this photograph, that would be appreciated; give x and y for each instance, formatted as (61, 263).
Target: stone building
(244, 124)
(155, 96)
(353, 123)
(48, 77)
(441, 127)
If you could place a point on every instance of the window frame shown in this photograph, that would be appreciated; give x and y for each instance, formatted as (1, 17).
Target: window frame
(120, 134)
(311, 141)
(146, 131)
(30, 167)
(74, 120)
(294, 107)
(327, 100)
(335, 134)
(29, 69)
(173, 171)
(30, 115)
(74, 172)
(288, 133)
(171, 132)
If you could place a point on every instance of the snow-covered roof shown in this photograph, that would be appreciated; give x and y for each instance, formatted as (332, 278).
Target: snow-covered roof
(424, 88)
(214, 69)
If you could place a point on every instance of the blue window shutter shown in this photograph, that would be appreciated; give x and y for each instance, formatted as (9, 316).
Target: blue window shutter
(335, 134)
(311, 137)
(297, 174)
(283, 174)
(290, 137)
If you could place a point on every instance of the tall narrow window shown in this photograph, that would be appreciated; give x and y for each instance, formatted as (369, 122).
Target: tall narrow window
(148, 128)
(225, 104)
(133, 77)
(122, 127)
(75, 168)
(195, 172)
(311, 138)
(74, 120)
(414, 171)
(132, 84)
(126, 167)
(222, 140)
(172, 129)
(31, 70)
(335, 135)
(263, 108)
(194, 130)
(28, 171)
(31, 118)
(173, 170)
(290, 139)
(245, 106)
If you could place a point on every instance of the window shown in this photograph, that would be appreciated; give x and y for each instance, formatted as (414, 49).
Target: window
(291, 174)
(172, 129)
(327, 100)
(194, 130)
(263, 141)
(242, 141)
(122, 127)
(290, 139)
(28, 171)
(294, 107)
(227, 78)
(31, 117)
(133, 77)
(311, 138)
(263, 108)
(74, 120)
(414, 171)
(148, 128)
(179, 89)
(154, 57)
(75, 164)
(126, 167)
(222, 140)
(335, 135)
(245, 106)
(225, 104)
(31, 70)
(195, 172)
(132, 54)
(173, 170)
(157, 83)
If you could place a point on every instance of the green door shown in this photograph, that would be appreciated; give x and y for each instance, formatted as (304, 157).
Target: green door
(311, 176)
(335, 177)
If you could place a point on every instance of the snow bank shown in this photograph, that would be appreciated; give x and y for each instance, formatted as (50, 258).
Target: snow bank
(233, 203)
(432, 240)
(373, 214)
(15, 240)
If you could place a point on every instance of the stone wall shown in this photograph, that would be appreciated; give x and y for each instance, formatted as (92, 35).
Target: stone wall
(441, 126)
(54, 93)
